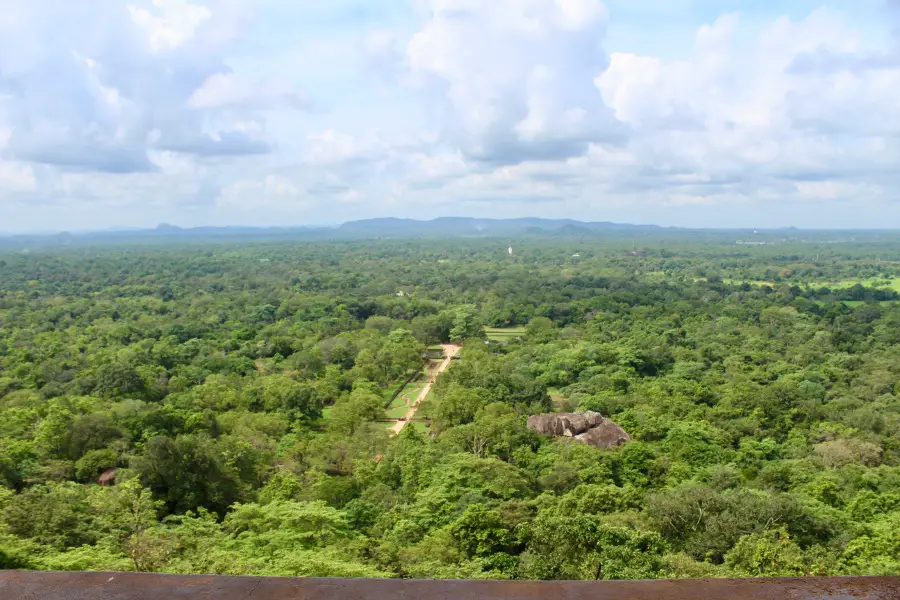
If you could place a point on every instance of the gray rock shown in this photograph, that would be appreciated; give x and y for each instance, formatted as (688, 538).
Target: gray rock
(588, 428)
(605, 435)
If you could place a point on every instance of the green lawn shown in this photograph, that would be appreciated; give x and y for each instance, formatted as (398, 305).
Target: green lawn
(395, 412)
(420, 427)
(398, 407)
(504, 334)
(409, 392)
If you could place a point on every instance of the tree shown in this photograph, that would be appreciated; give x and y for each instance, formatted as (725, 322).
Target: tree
(877, 552)
(456, 405)
(768, 554)
(190, 472)
(126, 513)
(298, 399)
(57, 515)
(580, 547)
(117, 379)
(91, 432)
(362, 405)
(466, 324)
(94, 462)
(539, 328)
(481, 532)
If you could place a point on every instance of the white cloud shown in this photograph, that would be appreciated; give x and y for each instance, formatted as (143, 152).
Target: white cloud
(517, 75)
(16, 178)
(186, 109)
(227, 90)
(175, 23)
(271, 190)
(748, 119)
(381, 51)
(336, 148)
(95, 85)
(834, 190)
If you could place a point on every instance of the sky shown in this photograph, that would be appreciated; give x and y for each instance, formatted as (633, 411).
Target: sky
(701, 113)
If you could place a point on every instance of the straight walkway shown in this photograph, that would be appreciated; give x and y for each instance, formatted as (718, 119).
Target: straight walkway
(450, 350)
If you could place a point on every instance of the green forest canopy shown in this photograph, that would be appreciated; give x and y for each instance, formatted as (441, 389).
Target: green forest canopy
(235, 388)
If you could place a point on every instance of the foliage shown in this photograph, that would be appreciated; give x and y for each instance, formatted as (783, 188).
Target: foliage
(242, 405)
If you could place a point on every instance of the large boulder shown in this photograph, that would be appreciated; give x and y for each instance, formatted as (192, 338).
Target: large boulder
(588, 427)
(564, 424)
(605, 435)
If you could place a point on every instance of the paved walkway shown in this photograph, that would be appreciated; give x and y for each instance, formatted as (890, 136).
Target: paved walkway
(450, 351)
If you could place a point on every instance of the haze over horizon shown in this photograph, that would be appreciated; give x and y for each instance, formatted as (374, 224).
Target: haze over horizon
(688, 113)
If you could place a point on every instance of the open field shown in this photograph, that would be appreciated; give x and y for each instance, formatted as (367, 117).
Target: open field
(504, 334)
(558, 399)
(874, 282)
(395, 412)
(892, 284)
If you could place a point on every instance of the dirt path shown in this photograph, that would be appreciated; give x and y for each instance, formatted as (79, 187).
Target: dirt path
(450, 351)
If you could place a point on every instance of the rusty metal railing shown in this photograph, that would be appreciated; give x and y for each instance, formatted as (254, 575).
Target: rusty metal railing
(30, 585)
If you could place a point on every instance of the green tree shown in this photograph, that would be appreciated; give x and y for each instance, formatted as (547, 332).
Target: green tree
(466, 324)
(768, 554)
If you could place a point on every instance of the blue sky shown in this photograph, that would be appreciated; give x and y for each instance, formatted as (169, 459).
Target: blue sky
(118, 113)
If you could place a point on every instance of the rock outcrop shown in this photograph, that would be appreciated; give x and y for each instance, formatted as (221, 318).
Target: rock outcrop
(588, 427)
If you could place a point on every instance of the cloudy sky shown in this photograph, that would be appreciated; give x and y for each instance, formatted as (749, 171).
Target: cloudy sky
(118, 113)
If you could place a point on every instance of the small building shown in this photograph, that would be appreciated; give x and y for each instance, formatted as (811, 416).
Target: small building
(108, 477)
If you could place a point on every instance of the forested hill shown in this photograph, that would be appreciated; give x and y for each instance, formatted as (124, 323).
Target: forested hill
(238, 398)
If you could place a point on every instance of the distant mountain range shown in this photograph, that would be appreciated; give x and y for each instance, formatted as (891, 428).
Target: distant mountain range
(369, 228)
(469, 226)
(385, 228)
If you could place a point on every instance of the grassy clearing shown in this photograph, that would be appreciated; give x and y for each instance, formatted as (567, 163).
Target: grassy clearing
(558, 398)
(396, 412)
(874, 282)
(409, 393)
(420, 427)
(504, 334)
(750, 281)
(389, 392)
(404, 400)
